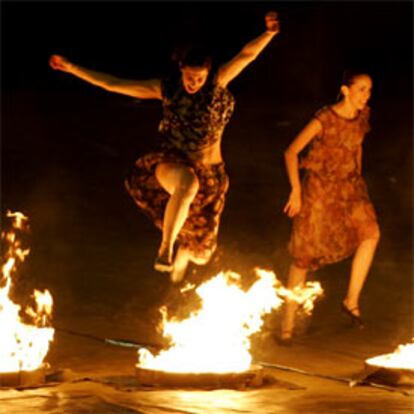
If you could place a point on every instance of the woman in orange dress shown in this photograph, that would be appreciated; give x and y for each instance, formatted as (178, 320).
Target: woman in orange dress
(332, 215)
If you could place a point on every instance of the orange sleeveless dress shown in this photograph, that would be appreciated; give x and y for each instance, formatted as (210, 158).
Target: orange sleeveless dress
(336, 213)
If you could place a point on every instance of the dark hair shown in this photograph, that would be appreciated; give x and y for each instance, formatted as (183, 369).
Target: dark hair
(348, 78)
(349, 75)
(196, 56)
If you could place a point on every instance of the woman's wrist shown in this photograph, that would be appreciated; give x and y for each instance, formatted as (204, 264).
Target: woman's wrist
(70, 67)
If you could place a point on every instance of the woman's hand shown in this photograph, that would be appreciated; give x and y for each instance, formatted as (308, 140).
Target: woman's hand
(272, 23)
(294, 203)
(58, 62)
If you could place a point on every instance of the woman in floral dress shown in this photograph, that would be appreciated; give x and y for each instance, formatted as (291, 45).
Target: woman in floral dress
(182, 185)
(333, 217)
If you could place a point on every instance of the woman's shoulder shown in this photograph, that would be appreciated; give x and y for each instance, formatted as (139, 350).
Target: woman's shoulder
(325, 109)
(323, 113)
(218, 88)
(213, 81)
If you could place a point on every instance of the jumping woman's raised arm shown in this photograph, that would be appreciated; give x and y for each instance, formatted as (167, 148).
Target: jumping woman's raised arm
(228, 71)
(143, 89)
(311, 130)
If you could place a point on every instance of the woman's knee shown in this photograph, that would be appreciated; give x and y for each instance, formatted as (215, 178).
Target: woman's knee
(377, 235)
(177, 179)
(373, 235)
(164, 173)
(187, 185)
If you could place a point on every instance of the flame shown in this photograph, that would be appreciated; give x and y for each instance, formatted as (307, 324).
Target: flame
(304, 296)
(216, 337)
(23, 347)
(401, 358)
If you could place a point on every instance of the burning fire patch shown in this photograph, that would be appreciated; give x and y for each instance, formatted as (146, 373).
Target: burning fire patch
(23, 346)
(216, 338)
(401, 358)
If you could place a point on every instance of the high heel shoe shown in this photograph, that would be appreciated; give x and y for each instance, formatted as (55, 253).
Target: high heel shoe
(163, 263)
(355, 319)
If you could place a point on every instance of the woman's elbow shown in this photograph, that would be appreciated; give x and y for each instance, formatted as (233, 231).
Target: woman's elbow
(112, 84)
(289, 153)
(249, 56)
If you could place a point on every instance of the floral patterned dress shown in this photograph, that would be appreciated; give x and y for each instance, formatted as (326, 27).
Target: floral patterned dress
(191, 122)
(336, 213)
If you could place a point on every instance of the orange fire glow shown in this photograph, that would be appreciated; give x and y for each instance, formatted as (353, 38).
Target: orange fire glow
(216, 338)
(23, 347)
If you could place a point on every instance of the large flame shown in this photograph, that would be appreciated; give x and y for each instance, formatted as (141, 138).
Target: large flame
(216, 338)
(23, 347)
(401, 358)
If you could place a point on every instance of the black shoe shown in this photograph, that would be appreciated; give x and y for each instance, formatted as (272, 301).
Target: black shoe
(163, 264)
(355, 319)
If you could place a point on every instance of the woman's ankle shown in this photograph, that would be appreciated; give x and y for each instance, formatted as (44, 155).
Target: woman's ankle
(350, 304)
(286, 334)
(180, 266)
(165, 251)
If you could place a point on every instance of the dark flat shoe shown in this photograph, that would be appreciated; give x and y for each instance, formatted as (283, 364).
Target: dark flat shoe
(355, 319)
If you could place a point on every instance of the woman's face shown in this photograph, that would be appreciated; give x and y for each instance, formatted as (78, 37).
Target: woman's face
(194, 77)
(359, 92)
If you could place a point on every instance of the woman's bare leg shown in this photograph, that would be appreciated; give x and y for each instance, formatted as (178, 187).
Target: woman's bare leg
(360, 267)
(182, 260)
(182, 185)
(297, 277)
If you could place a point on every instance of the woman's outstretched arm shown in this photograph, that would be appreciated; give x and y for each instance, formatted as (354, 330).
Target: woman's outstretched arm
(250, 51)
(311, 130)
(143, 89)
